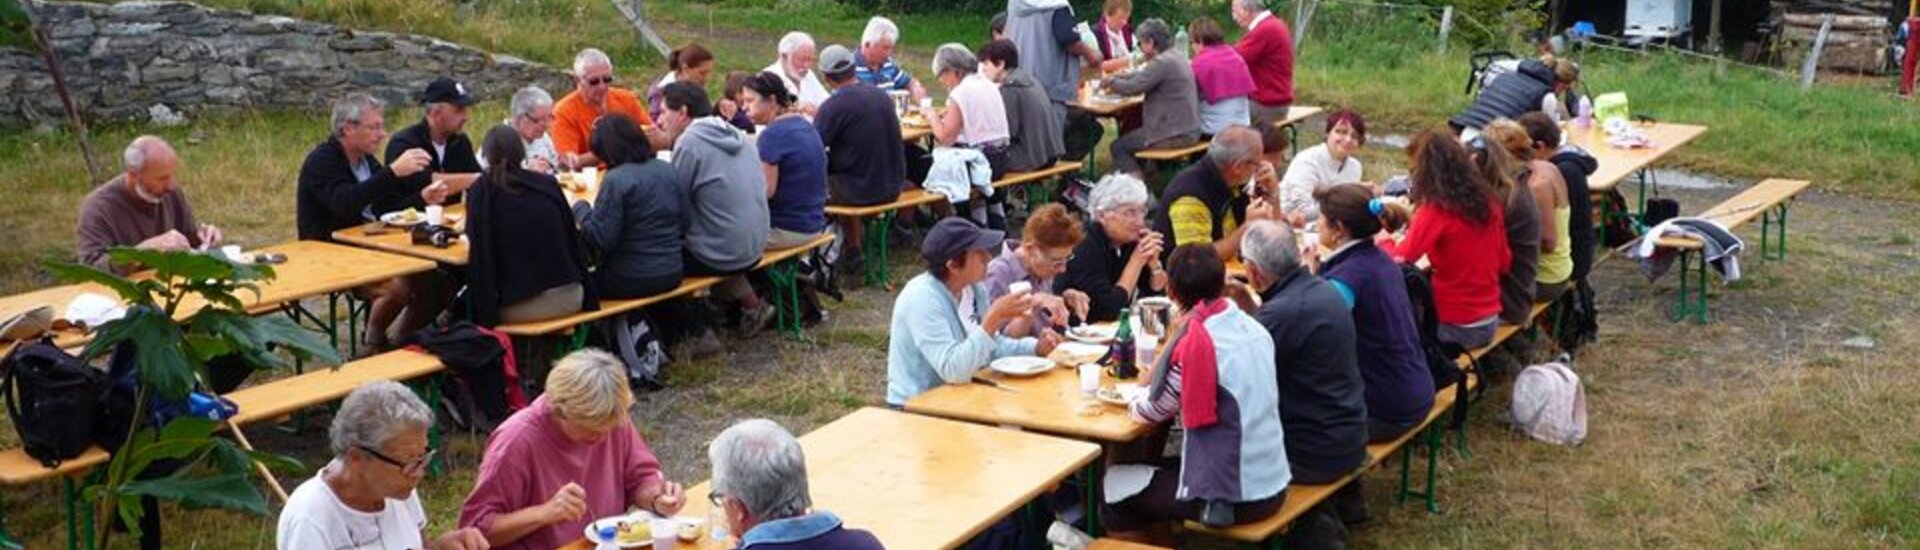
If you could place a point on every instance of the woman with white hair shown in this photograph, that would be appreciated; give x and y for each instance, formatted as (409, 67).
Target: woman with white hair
(1120, 257)
(760, 480)
(530, 113)
(975, 119)
(569, 458)
(365, 497)
(795, 67)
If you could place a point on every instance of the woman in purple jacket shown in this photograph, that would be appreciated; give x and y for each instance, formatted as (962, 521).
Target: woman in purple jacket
(1399, 390)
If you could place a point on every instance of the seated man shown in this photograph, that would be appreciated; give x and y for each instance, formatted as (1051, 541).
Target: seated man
(874, 64)
(1205, 204)
(594, 96)
(943, 328)
(724, 193)
(1322, 398)
(339, 183)
(142, 208)
(760, 479)
(795, 68)
(451, 163)
(865, 165)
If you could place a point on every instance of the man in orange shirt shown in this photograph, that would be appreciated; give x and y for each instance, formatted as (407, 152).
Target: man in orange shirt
(594, 96)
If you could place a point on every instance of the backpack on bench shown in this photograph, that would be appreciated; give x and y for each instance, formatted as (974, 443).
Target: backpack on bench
(1440, 356)
(51, 397)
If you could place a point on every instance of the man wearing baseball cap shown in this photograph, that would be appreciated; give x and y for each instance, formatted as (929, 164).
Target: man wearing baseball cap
(451, 160)
(866, 161)
(943, 328)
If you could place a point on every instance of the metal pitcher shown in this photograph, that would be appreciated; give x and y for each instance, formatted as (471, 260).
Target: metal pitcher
(1153, 315)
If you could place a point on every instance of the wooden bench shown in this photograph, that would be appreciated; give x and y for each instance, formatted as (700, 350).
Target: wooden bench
(1038, 195)
(875, 245)
(1117, 544)
(258, 403)
(1768, 200)
(1181, 156)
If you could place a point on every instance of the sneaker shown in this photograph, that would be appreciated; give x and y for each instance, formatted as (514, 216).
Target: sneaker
(1061, 535)
(754, 320)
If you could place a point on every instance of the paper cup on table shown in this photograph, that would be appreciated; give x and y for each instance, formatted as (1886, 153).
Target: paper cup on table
(666, 533)
(436, 214)
(1089, 379)
(592, 175)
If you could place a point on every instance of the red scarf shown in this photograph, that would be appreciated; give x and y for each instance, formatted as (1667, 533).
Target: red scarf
(1199, 368)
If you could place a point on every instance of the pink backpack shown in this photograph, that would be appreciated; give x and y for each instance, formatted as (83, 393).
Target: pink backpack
(1550, 405)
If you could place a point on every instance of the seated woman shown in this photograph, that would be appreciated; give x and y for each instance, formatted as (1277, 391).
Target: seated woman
(526, 263)
(1521, 216)
(1222, 76)
(1114, 35)
(793, 159)
(943, 327)
(367, 492)
(1325, 165)
(1399, 388)
(975, 119)
(1034, 139)
(634, 225)
(1045, 248)
(1217, 377)
(730, 90)
(691, 63)
(571, 457)
(1550, 202)
(1120, 256)
(1457, 226)
(1172, 105)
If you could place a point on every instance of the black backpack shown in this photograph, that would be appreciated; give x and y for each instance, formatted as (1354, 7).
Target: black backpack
(481, 391)
(1440, 356)
(51, 397)
(1579, 320)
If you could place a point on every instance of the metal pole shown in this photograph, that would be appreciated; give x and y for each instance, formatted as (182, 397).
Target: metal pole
(1713, 30)
(1812, 63)
(1446, 26)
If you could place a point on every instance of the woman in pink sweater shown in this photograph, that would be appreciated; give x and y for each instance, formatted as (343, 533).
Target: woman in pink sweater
(568, 459)
(1457, 227)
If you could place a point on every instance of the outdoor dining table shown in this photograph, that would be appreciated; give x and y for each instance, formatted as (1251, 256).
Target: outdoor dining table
(917, 482)
(313, 268)
(1617, 163)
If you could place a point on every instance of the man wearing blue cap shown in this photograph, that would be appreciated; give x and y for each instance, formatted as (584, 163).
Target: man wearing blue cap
(943, 328)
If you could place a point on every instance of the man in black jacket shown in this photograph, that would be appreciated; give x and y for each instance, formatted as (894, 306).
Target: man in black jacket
(1516, 93)
(452, 165)
(341, 181)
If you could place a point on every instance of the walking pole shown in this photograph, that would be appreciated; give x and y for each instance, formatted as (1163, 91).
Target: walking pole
(266, 475)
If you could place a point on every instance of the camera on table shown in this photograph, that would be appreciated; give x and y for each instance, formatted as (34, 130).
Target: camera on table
(437, 236)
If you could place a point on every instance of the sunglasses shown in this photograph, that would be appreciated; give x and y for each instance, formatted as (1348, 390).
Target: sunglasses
(599, 81)
(409, 468)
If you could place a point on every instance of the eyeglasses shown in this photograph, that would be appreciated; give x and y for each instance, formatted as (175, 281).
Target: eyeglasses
(1057, 261)
(598, 81)
(538, 119)
(409, 468)
(377, 127)
(1130, 211)
(717, 498)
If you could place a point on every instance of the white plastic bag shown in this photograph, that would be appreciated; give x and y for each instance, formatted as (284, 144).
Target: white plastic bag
(1550, 405)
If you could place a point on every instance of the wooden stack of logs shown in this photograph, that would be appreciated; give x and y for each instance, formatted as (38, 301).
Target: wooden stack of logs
(1858, 40)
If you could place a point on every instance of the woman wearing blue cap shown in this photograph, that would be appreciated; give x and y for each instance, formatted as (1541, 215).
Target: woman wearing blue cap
(943, 327)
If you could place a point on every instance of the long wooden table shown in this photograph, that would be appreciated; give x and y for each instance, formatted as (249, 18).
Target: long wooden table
(1616, 164)
(313, 268)
(1050, 403)
(399, 240)
(919, 482)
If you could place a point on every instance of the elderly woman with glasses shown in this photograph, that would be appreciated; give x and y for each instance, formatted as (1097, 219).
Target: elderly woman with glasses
(1120, 257)
(531, 115)
(569, 458)
(365, 497)
(1045, 247)
(760, 480)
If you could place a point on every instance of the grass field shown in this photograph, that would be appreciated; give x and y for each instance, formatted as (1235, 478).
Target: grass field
(1760, 430)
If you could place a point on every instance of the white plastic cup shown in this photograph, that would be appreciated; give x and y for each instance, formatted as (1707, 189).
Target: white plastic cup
(592, 173)
(436, 214)
(1019, 287)
(926, 103)
(1146, 348)
(1089, 379)
(232, 252)
(666, 533)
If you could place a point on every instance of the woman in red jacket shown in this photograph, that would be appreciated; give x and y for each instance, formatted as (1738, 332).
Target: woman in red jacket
(1457, 227)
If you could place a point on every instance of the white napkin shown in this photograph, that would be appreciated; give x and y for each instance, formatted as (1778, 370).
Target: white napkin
(94, 310)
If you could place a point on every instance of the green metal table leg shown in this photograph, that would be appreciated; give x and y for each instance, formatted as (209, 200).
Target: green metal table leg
(786, 297)
(1774, 246)
(579, 337)
(1293, 139)
(429, 391)
(1640, 216)
(876, 249)
(1095, 473)
(1691, 298)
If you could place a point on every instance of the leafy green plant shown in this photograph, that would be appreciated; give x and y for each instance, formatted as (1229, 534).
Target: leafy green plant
(173, 348)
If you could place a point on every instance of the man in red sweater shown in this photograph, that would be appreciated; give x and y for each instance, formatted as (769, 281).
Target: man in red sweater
(1268, 49)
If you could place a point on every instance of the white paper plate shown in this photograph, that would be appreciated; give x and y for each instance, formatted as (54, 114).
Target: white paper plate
(1021, 366)
(399, 218)
(592, 530)
(1101, 334)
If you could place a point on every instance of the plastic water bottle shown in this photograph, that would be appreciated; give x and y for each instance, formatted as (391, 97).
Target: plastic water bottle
(1583, 113)
(717, 524)
(607, 534)
(1180, 44)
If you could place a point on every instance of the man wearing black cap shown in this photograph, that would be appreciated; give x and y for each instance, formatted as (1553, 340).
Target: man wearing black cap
(943, 328)
(453, 165)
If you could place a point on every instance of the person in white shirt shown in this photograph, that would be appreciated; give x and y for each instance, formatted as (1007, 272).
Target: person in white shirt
(532, 116)
(795, 68)
(1325, 165)
(364, 499)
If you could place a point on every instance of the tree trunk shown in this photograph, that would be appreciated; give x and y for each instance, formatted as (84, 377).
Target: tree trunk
(636, 14)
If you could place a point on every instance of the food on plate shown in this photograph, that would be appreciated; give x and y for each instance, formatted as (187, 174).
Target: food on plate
(633, 532)
(689, 532)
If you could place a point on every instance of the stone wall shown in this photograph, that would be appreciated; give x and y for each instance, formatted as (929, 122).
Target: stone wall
(121, 60)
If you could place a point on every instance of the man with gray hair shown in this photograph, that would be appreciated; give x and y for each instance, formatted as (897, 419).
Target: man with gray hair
(530, 113)
(795, 67)
(760, 479)
(339, 183)
(595, 96)
(365, 497)
(1212, 201)
(1268, 49)
(1323, 407)
(874, 63)
(142, 207)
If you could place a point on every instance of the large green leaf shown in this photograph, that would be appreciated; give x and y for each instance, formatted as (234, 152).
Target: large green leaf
(232, 491)
(227, 457)
(129, 292)
(254, 337)
(161, 362)
(169, 265)
(15, 29)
